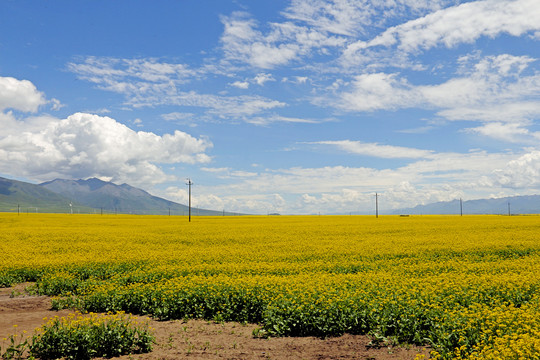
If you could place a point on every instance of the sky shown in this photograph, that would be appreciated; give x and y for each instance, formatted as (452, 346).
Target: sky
(295, 107)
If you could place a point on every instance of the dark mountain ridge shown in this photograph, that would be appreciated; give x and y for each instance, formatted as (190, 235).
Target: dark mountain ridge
(124, 198)
(89, 196)
(22, 196)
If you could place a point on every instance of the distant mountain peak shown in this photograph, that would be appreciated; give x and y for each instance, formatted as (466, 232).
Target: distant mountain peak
(93, 183)
(91, 196)
(105, 195)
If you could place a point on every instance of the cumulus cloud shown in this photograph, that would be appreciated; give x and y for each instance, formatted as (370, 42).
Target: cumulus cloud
(20, 95)
(521, 173)
(85, 145)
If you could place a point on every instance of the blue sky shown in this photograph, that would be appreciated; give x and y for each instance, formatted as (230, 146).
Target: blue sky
(297, 107)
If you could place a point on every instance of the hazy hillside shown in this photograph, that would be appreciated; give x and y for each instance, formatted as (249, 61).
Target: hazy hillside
(518, 205)
(123, 198)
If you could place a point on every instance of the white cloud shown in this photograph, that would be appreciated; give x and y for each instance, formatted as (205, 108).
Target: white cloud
(282, 44)
(108, 71)
(216, 170)
(56, 104)
(177, 116)
(240, 84)
(377, 150)
(266, 120)
(493, 90)
(311, 27)
(506, 132)
(20, 95)
(261, 78)
(251, 204)
(331, 189)
(149, 83)
(85, 145)
(378, 91)
(225, 172)
(242, 106)
(351, 17)
(521, 173)
(338, 17)
(241, 42)
(463, 23)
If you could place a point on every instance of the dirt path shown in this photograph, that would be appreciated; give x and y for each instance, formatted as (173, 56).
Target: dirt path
(23, 310)
(199, 339)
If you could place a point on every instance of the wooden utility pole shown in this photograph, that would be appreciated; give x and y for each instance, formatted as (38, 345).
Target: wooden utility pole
(376, 205)
(189, 183)
(461, 206)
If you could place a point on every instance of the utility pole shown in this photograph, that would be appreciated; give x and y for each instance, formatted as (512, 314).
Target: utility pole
(509, 208)
(18, 209)
(376, 205)
(461, 206)
(189, 183)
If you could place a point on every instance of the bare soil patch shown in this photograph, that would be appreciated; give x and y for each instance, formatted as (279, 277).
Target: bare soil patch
(199, 339)
(20, 311)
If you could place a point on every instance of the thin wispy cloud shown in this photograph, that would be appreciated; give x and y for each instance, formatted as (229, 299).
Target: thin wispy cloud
(376, 150)
(449, 27)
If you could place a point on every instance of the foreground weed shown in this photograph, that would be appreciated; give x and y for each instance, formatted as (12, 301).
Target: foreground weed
(85, 337)
(14, 347)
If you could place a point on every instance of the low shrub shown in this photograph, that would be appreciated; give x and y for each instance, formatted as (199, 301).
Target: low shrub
(81, 337)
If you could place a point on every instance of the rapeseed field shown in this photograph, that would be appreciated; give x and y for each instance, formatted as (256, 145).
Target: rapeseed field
(466, 286)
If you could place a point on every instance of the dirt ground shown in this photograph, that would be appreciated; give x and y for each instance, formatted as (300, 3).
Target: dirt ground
(199, 339)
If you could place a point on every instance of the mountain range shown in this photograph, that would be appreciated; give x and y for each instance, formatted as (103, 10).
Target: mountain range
(88, 196)
(529, 204)
(19, 196)
(97, 196)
